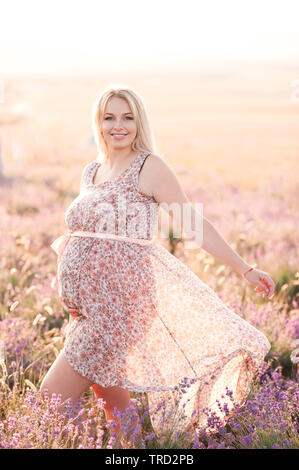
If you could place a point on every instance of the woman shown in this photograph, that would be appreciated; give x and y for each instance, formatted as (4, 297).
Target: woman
(142, 320)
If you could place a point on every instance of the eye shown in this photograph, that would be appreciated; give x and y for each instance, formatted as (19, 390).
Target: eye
(110, 117)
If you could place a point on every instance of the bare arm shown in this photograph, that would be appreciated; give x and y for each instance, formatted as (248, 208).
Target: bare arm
(167, 191)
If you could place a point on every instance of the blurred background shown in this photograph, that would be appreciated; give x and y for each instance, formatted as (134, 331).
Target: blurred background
(220, 81)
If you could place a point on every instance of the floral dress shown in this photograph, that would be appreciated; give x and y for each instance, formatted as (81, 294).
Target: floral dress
(147, 322)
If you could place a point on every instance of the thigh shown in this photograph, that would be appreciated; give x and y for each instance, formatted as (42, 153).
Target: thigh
(113, 396)
(62, 378)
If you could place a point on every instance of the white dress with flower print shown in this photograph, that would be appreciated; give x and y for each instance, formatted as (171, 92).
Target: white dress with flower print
(147, 322)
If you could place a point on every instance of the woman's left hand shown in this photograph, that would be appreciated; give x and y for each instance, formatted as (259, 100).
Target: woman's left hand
(262, 281)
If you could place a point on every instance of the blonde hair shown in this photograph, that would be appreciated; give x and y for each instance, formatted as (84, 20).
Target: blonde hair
(144, 140)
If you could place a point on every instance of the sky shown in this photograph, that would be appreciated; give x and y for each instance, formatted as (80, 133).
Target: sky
(58, 37)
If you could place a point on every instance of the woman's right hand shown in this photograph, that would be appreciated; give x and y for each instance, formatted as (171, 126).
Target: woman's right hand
(71, 311)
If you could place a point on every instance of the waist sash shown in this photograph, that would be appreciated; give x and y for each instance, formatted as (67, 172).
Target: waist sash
(60, 243)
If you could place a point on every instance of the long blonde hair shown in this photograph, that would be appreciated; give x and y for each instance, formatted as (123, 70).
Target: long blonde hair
(144, 139)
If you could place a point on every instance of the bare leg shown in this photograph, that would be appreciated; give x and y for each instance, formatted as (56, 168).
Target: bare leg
(114, 397)
(62, 379)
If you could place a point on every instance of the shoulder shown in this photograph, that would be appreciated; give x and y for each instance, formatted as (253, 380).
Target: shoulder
(158, 169)
(156, 165)
(162, 181)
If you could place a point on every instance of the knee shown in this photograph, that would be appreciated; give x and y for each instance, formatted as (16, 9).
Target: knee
(43, 389)
(50, 397)
(46, 391)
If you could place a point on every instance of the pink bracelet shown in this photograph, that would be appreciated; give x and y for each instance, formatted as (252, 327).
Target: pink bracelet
(248, 271)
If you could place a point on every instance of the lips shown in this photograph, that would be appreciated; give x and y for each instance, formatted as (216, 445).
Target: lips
(118, 134)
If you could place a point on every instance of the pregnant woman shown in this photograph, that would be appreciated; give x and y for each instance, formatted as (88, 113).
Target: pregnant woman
(142, 321)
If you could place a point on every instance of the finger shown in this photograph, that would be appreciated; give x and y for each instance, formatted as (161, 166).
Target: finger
(271, 293)
(267, 292)
(74, 313)
(262, 288)
(69, 309)
(264, 280)
(269, 285)
(259, 289)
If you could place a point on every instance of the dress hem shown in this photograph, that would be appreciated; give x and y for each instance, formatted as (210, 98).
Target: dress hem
(172, 388)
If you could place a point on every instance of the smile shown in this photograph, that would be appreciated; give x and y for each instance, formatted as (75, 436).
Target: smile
(118, 136)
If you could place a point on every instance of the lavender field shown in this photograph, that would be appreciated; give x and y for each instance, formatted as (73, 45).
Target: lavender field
(250, 194)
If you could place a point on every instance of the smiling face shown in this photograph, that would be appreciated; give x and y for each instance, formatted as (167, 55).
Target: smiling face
(119, 126)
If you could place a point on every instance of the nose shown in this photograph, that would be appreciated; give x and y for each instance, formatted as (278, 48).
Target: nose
(117, 127)
(118, 123)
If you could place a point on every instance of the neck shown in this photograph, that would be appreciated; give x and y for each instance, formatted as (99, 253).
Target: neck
(117, 157)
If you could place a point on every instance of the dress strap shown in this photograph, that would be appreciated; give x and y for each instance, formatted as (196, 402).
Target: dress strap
(137, 168)
(87, 174)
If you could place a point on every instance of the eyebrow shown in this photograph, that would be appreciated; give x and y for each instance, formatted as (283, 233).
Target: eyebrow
(123, 113)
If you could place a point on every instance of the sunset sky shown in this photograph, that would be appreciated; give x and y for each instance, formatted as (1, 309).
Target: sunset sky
(62, 36)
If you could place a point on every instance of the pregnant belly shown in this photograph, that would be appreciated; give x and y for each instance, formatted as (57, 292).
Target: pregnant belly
(69, 267)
